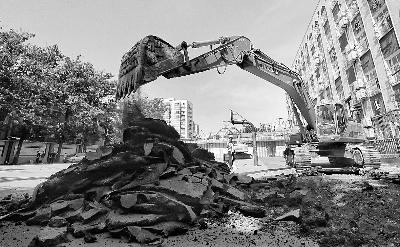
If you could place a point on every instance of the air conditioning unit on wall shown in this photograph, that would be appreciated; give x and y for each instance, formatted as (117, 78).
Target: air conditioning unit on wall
(353, 55)
(343, 22)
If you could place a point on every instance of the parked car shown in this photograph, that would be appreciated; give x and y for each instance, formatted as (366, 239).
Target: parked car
(242, 156)
(238, 156)
(75, 158)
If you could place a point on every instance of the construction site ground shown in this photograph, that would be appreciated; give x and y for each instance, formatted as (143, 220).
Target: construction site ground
(323, 210)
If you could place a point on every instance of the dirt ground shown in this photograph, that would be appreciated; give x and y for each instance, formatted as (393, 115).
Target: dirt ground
(335, 210)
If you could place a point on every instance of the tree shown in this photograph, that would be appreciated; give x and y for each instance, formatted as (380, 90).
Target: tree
(25, 94)
(45, 92)
(81, 91)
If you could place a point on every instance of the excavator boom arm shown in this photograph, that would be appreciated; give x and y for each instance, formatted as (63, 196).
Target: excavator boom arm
(152, 57)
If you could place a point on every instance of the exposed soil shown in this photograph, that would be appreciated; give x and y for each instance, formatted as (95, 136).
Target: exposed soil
(343, 210)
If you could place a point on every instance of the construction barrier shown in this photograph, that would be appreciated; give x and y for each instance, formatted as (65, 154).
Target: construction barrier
(388, 148)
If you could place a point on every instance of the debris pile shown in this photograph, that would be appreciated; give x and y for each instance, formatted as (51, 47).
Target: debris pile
(149, 187)
(387, 172)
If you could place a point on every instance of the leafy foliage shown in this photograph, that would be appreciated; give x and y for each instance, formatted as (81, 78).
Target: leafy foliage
(45, 93)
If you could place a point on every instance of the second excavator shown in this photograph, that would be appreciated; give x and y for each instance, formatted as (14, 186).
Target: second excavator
(327, 130)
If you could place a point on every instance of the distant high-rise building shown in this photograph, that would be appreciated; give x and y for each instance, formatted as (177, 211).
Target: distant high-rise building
(196, 129)
(179, 114)
(350, 53)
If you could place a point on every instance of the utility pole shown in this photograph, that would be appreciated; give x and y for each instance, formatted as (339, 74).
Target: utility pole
(254, 135)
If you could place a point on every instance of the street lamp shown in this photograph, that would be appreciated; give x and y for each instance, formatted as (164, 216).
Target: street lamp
(254, 135)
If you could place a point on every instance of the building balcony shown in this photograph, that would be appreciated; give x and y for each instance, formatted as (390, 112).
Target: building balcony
(359, 84)
(323, 18)
(351, 56)
(333, 4)
(361, 94)
(343, 21)
(394, 80)
(335, 73)
(372, 90)
(382, 26)
(361, 47)
(352, 10)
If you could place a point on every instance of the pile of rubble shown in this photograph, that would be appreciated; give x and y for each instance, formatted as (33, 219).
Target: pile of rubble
(386, 172)
(149, 187)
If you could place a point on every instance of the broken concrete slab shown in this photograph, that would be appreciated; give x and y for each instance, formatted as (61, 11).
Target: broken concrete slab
(57, 222)
(89, 238)
(93, 214)
(189, 193)
(134, 233)
(118, 221)
(252, 211)
(156, 203)
(177, 156)
(170, 228)
(78, 229)
(128, 200)
(293, 215)
(235, 193)
(151, 174)
(42, 216)
(185, 171)
(169, 172)
(242, 178)
(148, 148)
(50, 236)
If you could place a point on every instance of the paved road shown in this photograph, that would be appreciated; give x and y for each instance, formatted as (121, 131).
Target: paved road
(24, 178)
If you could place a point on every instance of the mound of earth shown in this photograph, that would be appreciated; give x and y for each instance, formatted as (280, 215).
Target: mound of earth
(147, 188)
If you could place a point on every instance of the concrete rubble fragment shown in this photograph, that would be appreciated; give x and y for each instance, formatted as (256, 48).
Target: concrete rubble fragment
(293, 215)
(50, 236)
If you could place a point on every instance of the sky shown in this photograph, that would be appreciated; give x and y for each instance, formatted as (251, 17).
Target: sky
(102, 31)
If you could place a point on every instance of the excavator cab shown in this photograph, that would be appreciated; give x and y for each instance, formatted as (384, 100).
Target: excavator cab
(331, 119)
(333, 123)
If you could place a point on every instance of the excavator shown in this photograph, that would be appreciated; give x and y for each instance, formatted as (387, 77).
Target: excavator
(326, 131)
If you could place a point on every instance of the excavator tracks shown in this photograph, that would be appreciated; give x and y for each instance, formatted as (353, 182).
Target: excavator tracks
(302, 157)
(372, 157)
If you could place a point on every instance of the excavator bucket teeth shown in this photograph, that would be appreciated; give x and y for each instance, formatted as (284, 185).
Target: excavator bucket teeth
(144, 62)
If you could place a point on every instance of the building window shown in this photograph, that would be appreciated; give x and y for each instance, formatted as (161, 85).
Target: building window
(352, 7)
(339, 88)
(333, 57)
(319, 42)
(335, 13)
(368, 67)
(383, 23)
(396, 90)
(328, 92)
(377, 104)
(375, 5)
(359, 33)
(343, 42)
(324, 14)
(389, 44)
(327, 30)
(351, 76)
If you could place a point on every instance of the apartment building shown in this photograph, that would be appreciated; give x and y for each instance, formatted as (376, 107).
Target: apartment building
(350, 53)
(179, 114)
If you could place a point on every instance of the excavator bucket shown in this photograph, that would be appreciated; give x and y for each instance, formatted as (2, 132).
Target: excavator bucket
(144, 62)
